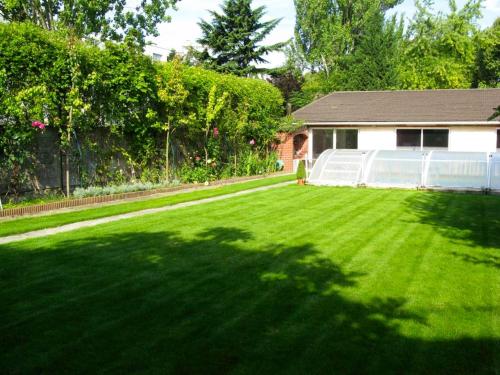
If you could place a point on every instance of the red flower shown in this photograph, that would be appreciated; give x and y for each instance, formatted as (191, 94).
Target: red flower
(216, 132)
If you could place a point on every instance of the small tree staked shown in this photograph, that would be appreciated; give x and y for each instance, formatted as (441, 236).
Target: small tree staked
(301, 173)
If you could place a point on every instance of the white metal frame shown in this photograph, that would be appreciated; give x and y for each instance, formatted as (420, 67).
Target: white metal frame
(333, 129)
(368, 158)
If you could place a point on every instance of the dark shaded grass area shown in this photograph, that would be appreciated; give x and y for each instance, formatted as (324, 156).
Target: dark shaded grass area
(292, 281)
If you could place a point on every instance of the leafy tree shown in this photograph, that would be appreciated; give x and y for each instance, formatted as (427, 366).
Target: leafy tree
(487, 69)
(328, 30)
(374, 63)
(172, 95)
(232, 40)
(106, 19)
(214, 108)
(440, 50)
(32, 79)
(314, 87)
(288, 79)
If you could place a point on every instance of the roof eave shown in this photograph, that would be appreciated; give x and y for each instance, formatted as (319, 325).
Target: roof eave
(402, 123)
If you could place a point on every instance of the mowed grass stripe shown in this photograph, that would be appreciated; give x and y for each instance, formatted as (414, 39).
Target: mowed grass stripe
(161, 219)
(292, 280)
(349, 244)
(27, 224)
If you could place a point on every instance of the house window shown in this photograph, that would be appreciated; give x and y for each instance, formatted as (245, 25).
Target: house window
(422, 139)
(409, 138)
(498, 138)
(435, 138)
(347, 139)
(157, 57)
(341, 139)
(322, 140)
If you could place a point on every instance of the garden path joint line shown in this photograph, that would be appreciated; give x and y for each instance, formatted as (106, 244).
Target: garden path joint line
(110, 219)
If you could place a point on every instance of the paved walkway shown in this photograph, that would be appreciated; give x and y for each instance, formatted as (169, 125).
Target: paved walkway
(190, 189)
(110, 219)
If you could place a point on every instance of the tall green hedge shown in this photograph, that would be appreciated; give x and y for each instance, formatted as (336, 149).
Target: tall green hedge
(111, 91)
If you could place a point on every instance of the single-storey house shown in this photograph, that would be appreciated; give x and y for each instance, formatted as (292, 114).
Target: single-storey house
(453, 120)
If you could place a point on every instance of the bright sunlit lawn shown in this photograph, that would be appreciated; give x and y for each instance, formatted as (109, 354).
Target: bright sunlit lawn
(296, 280)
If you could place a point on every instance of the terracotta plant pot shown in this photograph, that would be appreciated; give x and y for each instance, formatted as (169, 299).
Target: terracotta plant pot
(301, 181)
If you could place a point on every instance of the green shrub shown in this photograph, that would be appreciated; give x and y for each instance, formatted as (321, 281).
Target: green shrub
(301, 170)
(94, 191)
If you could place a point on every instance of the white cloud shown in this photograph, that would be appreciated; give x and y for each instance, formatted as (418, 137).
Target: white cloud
(492, 5)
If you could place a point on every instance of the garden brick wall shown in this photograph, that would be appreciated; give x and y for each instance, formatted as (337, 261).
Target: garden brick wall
(292, 146)
(48, 165)
(49, 161)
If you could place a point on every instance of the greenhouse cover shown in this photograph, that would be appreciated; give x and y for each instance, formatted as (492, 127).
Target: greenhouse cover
(408, 169)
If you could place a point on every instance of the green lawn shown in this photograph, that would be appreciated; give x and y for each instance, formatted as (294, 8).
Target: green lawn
(27, 224)
(295, 280)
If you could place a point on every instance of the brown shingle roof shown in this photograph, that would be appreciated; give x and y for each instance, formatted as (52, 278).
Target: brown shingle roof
(402, 106)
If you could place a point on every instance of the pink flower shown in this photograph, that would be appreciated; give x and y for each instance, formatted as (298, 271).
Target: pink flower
(252, 142)
(197, 158)
(216, 132)
(38, 124)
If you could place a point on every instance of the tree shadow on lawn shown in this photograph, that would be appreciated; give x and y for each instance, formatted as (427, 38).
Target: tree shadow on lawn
(161, 303)
(470, 219)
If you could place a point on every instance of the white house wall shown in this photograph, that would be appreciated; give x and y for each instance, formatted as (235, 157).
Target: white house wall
(461, 138)
(473, 139)
(377, 138)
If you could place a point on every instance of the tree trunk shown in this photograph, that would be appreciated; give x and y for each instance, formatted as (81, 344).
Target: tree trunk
(68, 149)
(167, 152)
(206, 146)
(325, 64)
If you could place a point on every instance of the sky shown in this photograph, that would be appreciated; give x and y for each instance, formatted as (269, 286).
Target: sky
(183, 30)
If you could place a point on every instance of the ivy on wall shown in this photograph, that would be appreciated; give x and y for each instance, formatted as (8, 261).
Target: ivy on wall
(131, 103)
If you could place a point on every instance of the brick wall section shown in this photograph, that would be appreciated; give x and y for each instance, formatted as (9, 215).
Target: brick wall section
(287, 149)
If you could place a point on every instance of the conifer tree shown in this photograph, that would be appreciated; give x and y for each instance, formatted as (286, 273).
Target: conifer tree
(232, 40)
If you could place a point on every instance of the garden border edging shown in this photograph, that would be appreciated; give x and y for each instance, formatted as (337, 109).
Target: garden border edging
(79, 202)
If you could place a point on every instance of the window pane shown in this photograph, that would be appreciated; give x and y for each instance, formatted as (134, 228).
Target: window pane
(436, 138)
(498, 138)
(322, 140)
(347, 139)
(409, 138)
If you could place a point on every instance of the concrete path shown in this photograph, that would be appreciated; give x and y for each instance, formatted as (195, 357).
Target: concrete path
(110, 219)
(199, 187)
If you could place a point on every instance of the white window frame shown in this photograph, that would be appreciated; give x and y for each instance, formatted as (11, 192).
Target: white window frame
(421, 148)
(333, 129)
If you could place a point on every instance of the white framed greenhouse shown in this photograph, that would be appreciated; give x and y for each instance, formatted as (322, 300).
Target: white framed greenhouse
(408, 169)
